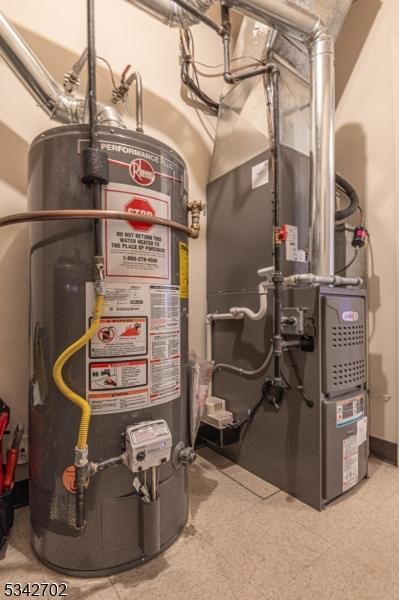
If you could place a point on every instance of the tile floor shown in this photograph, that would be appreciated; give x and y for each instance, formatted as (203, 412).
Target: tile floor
(247, 540)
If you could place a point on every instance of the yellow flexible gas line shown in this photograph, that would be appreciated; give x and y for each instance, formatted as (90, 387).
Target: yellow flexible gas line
(62, 386)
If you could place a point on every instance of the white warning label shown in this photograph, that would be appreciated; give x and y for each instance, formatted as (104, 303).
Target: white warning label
(260, 174)
(292, 252)
(117, 375)
(120, 336)
(291, 244)
(362, 431)
(165, 345)
(350, 462)
(136, 250)
(133, 361)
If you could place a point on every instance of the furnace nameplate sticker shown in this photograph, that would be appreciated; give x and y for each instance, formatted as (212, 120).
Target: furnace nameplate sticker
(350, 462)
(136, 251)
(362, 431)
(133, 360)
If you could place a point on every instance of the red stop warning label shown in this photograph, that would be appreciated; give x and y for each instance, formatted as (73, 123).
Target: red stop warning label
(138, 206)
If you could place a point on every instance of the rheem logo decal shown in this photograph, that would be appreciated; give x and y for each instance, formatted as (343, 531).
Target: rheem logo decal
(350, 315)
(138, 206)
(141, 172)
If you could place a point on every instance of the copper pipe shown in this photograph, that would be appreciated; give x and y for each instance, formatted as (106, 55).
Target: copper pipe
(54, 215)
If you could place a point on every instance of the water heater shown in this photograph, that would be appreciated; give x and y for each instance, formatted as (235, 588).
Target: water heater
(134, 370)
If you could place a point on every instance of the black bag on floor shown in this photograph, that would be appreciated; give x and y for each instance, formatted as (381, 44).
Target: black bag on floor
(6, 520)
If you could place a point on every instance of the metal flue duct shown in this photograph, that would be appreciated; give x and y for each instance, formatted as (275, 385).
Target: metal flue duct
(311, 27)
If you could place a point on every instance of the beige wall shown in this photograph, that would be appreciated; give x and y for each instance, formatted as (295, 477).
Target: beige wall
(57, 33)
(367, 128)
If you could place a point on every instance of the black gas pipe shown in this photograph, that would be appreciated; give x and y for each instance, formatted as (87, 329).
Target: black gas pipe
(95, 175)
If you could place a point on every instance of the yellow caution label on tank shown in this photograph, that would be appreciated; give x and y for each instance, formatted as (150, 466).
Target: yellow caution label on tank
(183, 262)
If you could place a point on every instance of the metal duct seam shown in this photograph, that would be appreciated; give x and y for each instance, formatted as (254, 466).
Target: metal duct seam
(169, 13)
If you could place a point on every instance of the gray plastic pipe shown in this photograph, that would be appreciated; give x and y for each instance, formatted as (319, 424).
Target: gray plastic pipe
(309, 29)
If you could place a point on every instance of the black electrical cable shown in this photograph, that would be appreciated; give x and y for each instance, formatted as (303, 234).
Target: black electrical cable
(350, 192)
(252, 412)
(300, 387)
(186, 38)
(106, 62)
(350, 263)
(193, 87)
(95, 174)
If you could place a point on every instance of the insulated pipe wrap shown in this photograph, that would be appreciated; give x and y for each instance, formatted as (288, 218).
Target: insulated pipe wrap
(95, 166)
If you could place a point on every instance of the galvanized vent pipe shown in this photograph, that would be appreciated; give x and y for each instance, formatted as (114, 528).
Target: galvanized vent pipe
(58, 104)
(303, 26)
(170, 13)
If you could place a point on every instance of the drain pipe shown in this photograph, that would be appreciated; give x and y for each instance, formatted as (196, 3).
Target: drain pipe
(236, 313)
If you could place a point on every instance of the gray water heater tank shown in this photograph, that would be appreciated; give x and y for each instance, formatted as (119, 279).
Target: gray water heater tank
(135, 368)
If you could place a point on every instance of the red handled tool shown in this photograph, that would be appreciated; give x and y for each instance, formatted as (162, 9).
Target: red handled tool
(4, 420)
(12, 458)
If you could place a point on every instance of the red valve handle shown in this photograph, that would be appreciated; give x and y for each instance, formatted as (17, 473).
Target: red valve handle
(9, 477)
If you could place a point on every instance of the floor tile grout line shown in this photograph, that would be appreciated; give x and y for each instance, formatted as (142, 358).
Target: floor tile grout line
(239, 482)
(116, 590)
(248, 488)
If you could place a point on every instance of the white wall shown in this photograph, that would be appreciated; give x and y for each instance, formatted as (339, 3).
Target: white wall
(367, 127)
(56, 31)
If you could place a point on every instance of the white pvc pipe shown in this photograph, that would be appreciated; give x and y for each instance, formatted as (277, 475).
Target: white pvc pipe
(235, 314)
(247, 312)
(208, 334)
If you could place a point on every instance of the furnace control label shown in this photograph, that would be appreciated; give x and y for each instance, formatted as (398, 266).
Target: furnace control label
(349, 410)
(133, 360)
(136, 250)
